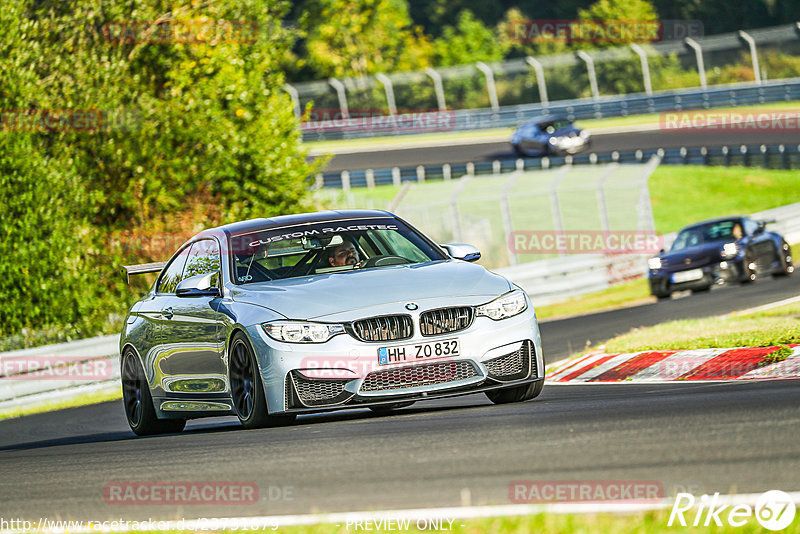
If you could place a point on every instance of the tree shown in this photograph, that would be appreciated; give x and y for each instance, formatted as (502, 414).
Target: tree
(361, 37)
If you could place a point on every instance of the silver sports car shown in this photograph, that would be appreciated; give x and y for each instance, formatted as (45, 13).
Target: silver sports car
(269, 318)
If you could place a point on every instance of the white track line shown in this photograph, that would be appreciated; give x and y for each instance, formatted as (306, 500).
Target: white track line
(769, 306)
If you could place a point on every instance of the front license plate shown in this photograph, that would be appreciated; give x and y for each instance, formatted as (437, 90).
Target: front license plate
(687, 276)
(416, 352)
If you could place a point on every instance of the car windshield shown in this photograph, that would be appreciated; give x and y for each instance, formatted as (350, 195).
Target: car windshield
(328, 247)
(706, 233)
(553, 126)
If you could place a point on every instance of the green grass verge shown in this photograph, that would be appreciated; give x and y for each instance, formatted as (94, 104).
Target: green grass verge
(682, 195)
(778, 328)
(633, 120)
(626, 294)
(83, 400)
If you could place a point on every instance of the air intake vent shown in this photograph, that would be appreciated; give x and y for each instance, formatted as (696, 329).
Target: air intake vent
(387, 328)
(445, 321)
(419, 375)
(515, 365)
(318, 392)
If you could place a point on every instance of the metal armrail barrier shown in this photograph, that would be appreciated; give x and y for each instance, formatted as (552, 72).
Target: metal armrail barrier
(334, 92)
(731, 95)
(767, 156)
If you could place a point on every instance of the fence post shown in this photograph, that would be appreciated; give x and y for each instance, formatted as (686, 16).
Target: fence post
(505, 209)
(537, 66)
(601, 196)
(396, 176)
(389, 89)
(454, 213)
(319, 181)
(648, 87)
(437, 85)
(644, 209)
(555, 208)
(295, 99)
(592, 74)
(346, 181)
(420, 173)
(746, 37)
(340, 92)
(370, 178)
(446, 171)
(698, 52)
(490, 85)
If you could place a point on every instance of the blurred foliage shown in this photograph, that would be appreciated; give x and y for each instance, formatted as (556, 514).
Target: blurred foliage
(361, 37)
(192, 132)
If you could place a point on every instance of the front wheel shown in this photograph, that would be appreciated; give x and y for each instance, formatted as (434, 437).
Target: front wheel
(748, 269)
(516, 394)
(247, 389)
(139, 409)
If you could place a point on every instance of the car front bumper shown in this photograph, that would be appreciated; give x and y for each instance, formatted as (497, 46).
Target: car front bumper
(714, 273)
(344, 372)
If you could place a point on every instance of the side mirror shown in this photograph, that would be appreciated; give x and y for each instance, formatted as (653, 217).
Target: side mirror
(200, 285)
(461, 251)
(661, 251)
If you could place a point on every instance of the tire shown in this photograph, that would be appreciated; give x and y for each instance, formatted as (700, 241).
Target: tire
(785, 260)
(748, 274)
(247, 389)
(138, 402)
(389, 408)
(516, 394)
(662, 296)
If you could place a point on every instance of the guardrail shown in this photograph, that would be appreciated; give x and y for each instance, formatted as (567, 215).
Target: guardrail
(731, 95)
(769, 156)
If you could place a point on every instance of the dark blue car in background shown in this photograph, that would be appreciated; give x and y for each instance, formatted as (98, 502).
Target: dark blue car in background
(549, 135)
(730, 249)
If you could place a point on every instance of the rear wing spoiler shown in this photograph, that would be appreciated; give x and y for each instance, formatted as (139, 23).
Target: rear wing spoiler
(142, 268)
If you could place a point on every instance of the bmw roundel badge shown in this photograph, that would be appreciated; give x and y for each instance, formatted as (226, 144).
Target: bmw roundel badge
(411, 306)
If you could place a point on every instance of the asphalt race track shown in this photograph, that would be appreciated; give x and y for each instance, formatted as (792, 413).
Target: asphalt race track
(700, 437)
(411, 157)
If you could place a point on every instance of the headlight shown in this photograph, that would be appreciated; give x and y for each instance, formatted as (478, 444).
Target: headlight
(508, 305)
(729, 250)
(654, 263)
(299, 332)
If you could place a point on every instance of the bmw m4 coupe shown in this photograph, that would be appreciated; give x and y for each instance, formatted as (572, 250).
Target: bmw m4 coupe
(269, 318)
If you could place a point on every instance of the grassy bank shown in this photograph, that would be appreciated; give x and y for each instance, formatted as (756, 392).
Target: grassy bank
(778, 326)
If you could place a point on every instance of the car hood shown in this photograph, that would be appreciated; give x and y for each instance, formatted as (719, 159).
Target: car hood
(315, 296)
(705, 253)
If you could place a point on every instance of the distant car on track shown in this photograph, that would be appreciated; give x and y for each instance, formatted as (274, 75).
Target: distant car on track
(269, 318)
(549, 135)
(729, 249)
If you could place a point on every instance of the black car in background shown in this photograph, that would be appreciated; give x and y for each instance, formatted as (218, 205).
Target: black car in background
(549, 135)
(730, 249)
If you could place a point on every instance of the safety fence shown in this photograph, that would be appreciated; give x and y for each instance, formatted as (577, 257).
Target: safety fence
(692, 73)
